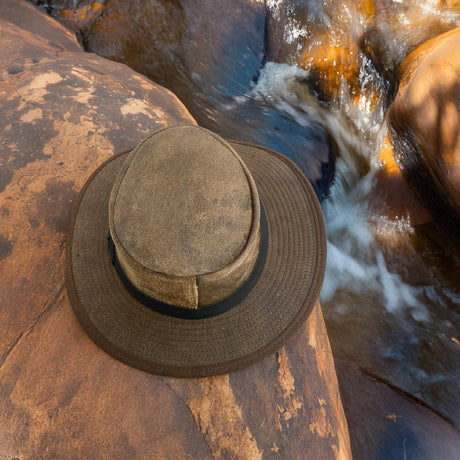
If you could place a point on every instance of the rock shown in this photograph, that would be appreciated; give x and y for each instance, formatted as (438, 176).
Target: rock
(212, 61)
(181, 44)
(396, 28)
(321, 37)
(392, 195)
(397, 425)
(348, 46)
(399, 379)
(63, 112)
(424, 124)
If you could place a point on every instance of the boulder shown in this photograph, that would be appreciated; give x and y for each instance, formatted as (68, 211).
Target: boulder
(185, 45)
(394, 29)
(424, 122)
(352, 48)
(212, 60)
(63, 112)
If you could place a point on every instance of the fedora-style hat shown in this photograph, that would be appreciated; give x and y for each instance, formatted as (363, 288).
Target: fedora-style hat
(192, 256)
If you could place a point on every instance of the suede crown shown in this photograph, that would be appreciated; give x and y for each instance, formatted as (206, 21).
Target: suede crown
(184, 217)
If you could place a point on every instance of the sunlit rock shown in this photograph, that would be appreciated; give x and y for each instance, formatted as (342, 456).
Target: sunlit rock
(321, 37)
(342, 43)
(392, 194)
(425, 124)
(397, 27)
(63, 112)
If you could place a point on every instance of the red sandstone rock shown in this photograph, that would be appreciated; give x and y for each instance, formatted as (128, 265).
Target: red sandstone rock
(63, 112)
(425, 124)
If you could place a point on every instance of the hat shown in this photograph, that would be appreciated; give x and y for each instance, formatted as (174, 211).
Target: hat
(192, 256)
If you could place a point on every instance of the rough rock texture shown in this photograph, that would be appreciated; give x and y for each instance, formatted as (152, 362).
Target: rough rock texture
(63, 112)
(425, 124)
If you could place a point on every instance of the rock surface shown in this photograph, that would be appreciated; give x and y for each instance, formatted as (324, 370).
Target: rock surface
(425, 124)
(397, 425)
(321, 37)
(392, 195)
(63, 112)
(341, 43)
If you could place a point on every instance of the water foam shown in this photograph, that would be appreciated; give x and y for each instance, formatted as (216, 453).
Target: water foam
(355, 262)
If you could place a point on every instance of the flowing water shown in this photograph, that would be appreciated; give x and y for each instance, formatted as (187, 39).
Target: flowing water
(386, 296)
(313, 80)
(391, 295)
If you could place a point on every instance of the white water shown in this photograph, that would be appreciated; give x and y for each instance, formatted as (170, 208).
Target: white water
(355, 262)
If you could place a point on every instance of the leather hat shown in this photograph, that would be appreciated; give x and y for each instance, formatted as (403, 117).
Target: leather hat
(191, 255)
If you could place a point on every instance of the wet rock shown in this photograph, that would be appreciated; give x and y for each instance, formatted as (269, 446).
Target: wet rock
(342, 43)
(62, 396)
(396, 28)
(324, 38)
(182, 43)
(396, 425)
(212, 60)
(398, 378)
(424, 124)
(392, 194)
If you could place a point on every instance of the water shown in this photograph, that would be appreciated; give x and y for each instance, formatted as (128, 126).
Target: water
(354, 256)
(376, 280)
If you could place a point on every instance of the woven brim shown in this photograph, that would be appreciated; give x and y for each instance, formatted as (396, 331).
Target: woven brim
(286, 292)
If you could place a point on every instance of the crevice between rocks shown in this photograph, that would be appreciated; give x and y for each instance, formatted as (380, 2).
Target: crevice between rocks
(50, 302)
(409, 396)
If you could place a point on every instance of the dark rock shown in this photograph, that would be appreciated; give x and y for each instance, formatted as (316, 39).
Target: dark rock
(5, 247)
(396, 425)
(15, 69)
(392, 194)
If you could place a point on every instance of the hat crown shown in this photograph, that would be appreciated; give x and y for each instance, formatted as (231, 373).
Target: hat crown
(183, 206)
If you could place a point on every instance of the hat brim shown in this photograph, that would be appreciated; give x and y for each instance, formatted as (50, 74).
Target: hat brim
(282, 299)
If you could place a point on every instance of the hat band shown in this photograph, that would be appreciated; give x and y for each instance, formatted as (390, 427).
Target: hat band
(202, 312)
